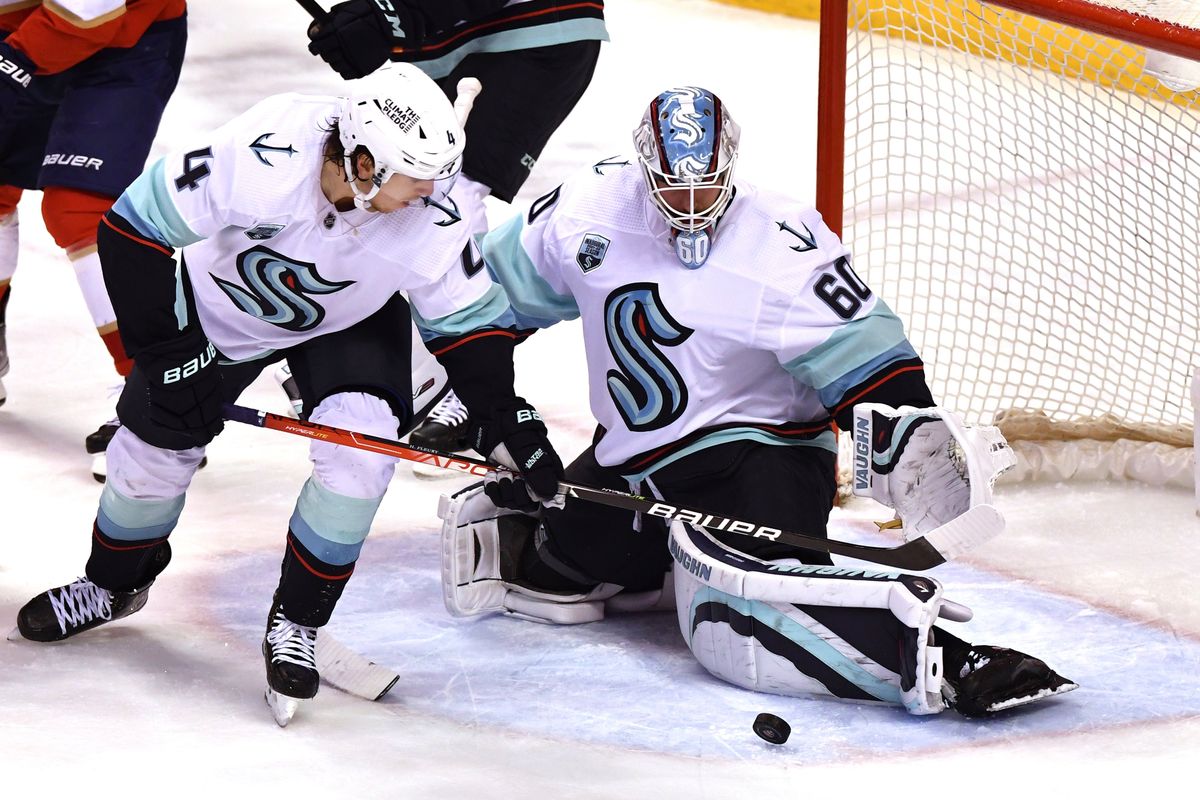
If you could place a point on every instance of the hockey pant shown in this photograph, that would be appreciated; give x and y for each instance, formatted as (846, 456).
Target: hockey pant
(144, 496)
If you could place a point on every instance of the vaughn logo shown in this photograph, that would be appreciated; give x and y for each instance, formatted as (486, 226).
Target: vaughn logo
(592, 251)
(862, 454)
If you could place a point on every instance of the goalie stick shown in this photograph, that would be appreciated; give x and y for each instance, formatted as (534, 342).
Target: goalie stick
(965, 532)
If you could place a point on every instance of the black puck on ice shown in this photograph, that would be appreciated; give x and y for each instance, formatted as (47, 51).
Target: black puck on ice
(772, 728)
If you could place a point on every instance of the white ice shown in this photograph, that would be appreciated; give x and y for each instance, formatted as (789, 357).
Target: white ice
(1098, 579)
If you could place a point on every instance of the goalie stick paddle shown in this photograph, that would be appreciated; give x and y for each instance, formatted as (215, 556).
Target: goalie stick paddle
(976, 526)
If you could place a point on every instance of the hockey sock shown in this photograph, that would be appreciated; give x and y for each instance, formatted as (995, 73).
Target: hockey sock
(309, 588)
(121, 565)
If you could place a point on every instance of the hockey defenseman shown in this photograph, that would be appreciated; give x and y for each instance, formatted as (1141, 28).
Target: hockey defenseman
(726, 334)
(300, 221)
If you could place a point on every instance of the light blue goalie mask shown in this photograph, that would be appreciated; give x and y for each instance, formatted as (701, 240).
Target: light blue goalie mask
(687, 145)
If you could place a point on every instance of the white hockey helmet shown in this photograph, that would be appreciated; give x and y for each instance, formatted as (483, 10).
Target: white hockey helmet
(688, 140)
(409, 126)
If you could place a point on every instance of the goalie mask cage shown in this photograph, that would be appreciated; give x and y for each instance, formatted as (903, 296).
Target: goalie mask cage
(1022, 190)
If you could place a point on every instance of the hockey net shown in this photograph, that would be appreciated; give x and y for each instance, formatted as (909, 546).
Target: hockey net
(1022, 190)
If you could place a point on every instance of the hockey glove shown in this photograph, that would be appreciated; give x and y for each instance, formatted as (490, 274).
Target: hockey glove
(357, 36)
(517, 439)
(16, 76)
(926, 463)
(173, 397)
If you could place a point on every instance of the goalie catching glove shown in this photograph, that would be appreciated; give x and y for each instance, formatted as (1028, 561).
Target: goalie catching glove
(926, 463)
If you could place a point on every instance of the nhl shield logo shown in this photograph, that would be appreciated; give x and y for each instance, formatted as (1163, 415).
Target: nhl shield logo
(591, 252)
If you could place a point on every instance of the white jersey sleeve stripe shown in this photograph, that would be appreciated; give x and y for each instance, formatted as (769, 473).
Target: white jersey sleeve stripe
(489, 311)
(148, 206)
(852, 354)
(536, 304)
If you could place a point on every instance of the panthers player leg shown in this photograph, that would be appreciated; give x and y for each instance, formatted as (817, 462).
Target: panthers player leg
(81, 133)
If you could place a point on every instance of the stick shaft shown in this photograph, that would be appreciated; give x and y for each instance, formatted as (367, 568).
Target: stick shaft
(918, 554)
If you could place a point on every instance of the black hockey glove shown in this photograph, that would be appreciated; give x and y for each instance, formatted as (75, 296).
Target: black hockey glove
(357, 36)
(517, 439)
(16, 76)
(173, 397)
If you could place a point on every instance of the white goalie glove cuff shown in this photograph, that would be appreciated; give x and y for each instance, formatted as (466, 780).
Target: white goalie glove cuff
(926, 463)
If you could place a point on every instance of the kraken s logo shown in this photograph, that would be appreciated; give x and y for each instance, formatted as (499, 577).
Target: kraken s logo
(279, 288)
(647, 390)
(685, 119)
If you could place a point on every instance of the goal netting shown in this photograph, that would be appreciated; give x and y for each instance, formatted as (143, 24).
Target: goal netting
(1020, 184)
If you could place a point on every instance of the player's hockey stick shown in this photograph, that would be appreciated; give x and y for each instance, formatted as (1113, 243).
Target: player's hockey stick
(354, 674)
(314, 10)
(956, 537)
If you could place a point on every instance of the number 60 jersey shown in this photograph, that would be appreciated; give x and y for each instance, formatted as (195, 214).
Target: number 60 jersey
(769, 340)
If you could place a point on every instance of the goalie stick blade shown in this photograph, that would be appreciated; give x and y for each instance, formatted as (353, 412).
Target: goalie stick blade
(966, 532)
(344, 669)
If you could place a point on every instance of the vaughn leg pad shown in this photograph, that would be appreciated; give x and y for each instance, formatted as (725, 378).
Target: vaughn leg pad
(791, 629)
(480, 549)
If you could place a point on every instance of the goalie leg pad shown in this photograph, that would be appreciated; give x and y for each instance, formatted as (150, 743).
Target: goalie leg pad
(791, 629)
(480, 546)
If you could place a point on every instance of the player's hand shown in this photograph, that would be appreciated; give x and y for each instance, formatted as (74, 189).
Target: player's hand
(358, 36)
(16, 76)
(176, 391)
(517, 439)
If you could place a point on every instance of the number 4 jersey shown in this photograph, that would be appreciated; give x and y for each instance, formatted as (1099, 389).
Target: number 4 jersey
(272, 263)
(767, 341)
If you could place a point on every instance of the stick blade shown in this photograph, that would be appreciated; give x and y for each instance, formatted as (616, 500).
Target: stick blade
(344, 669)
(964, 533)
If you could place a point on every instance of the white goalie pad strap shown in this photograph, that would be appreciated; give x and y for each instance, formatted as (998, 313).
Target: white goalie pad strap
(930, 472)
(471, 579)
(792, 629)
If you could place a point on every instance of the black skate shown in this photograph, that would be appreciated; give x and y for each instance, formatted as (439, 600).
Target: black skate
(60, 613)
(445, 428)
(992, 679)
(96, 444)
(290, 651)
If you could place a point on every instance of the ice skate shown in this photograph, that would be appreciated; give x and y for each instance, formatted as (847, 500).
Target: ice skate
(60, 613)
(992, 679)
(444, 429)
(290, 653)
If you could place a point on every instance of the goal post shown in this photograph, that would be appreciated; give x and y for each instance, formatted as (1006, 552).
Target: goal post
(1020, 181)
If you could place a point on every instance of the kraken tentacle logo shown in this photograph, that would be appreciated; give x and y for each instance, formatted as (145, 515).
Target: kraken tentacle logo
(279, 289)
(647, 391)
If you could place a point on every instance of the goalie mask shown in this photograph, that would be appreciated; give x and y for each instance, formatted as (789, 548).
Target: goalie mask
(687, 146)
(401, 116)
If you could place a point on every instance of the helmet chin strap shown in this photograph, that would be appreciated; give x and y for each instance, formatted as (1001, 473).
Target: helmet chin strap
(361, 200)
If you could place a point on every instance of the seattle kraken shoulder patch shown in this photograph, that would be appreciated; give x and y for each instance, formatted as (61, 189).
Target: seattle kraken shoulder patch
(592, 251)
(264, 231)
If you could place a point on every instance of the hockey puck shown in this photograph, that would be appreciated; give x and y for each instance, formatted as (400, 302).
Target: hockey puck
(772, 728)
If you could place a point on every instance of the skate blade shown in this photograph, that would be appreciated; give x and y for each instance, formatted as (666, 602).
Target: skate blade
(1013, 702)
(283, 708)
(15, 635)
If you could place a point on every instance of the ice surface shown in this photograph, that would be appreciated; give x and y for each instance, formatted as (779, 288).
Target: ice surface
(1099, 579)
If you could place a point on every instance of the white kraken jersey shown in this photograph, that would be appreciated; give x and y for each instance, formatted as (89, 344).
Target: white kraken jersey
(760, 343)
(272, 263)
